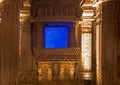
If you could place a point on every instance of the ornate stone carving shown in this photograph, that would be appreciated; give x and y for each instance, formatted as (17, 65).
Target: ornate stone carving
(86, 51)
(86, 23)
(52, 71)
(69, 54)
(56, 8)
(65, 51)
(25, 78)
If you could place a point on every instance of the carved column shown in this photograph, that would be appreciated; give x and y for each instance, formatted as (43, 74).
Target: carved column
(25, 72)
(98, 38)
(55, 71)
(86, 41)
(39, 73)
(9, 42)
(25, 60)
(49, 72)
(61, 74)
(106, 41)
(72, 71)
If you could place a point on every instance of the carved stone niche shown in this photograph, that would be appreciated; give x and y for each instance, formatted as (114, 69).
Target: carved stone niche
(40, 8)
(37, 34)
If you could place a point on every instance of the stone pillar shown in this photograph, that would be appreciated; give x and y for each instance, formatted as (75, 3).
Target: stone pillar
(78, 34)
(55, 71)
(86, 41)
(72, 71)
(106, 41)
(26, 65)
(86, 49)
(9, 42)
(49, 72)
(97, 40)
(61, 74)
(110, 18)
(73, 41)
(25, 62)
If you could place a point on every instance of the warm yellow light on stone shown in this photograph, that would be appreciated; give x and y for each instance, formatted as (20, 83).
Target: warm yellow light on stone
(87, 13)
(39, 74)
(72, 73)
(0, 20)
(49, 74)
(87, 76)
(97, 4)
(39, 71)
(1, 1)
(86, 51)
(98, 56)
(90, 4)
(24, 13)
(61, 75)
(39, 78)
(26, 3)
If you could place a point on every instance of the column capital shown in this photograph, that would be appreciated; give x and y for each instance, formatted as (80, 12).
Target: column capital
(88, 10)
(25, 19)
(86, 23)
(25, 11)
(86, 26)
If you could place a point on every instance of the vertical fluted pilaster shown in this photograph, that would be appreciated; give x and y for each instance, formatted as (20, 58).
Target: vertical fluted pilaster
(9, 42)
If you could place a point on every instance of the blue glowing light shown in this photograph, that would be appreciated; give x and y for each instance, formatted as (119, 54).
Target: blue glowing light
(58, 25)
(56, 35)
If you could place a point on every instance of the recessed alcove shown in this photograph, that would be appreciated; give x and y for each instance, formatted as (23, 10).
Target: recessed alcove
(54, 35)
(56, 42)
(53, 45)
(57, 35)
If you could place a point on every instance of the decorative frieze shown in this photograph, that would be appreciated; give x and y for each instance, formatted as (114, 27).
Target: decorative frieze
(65, 51)
(69, 54)
(56, 8)
(54, 71)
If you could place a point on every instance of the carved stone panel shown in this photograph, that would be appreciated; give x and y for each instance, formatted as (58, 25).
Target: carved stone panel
(25, 78)
(56, 8)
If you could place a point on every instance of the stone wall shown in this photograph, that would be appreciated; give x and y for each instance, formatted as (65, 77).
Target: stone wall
(118, 57)
(118, 47)
(9, 42)
(110, 17)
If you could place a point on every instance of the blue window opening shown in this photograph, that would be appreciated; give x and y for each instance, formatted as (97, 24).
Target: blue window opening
(57, 35)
